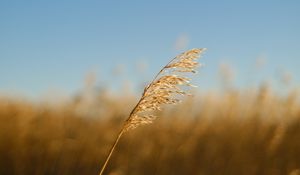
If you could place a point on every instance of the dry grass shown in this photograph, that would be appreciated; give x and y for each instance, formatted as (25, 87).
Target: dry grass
(163, 90)
(242, 132)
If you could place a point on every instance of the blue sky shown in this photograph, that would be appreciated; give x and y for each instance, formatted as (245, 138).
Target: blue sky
(48, 45)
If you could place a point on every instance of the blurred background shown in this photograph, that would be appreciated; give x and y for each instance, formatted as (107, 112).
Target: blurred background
(71, 71)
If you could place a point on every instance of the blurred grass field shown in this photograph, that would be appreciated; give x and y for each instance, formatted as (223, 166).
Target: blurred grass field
(241, 132)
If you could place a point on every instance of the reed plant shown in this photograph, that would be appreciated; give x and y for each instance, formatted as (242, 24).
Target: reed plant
(164, 89)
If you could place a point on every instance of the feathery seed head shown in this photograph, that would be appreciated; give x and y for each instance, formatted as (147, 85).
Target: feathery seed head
(164, 89)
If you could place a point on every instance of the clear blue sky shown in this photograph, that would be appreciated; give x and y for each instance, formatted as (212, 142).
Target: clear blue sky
(54, 44)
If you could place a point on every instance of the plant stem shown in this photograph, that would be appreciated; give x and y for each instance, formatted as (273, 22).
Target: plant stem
(111, 151)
